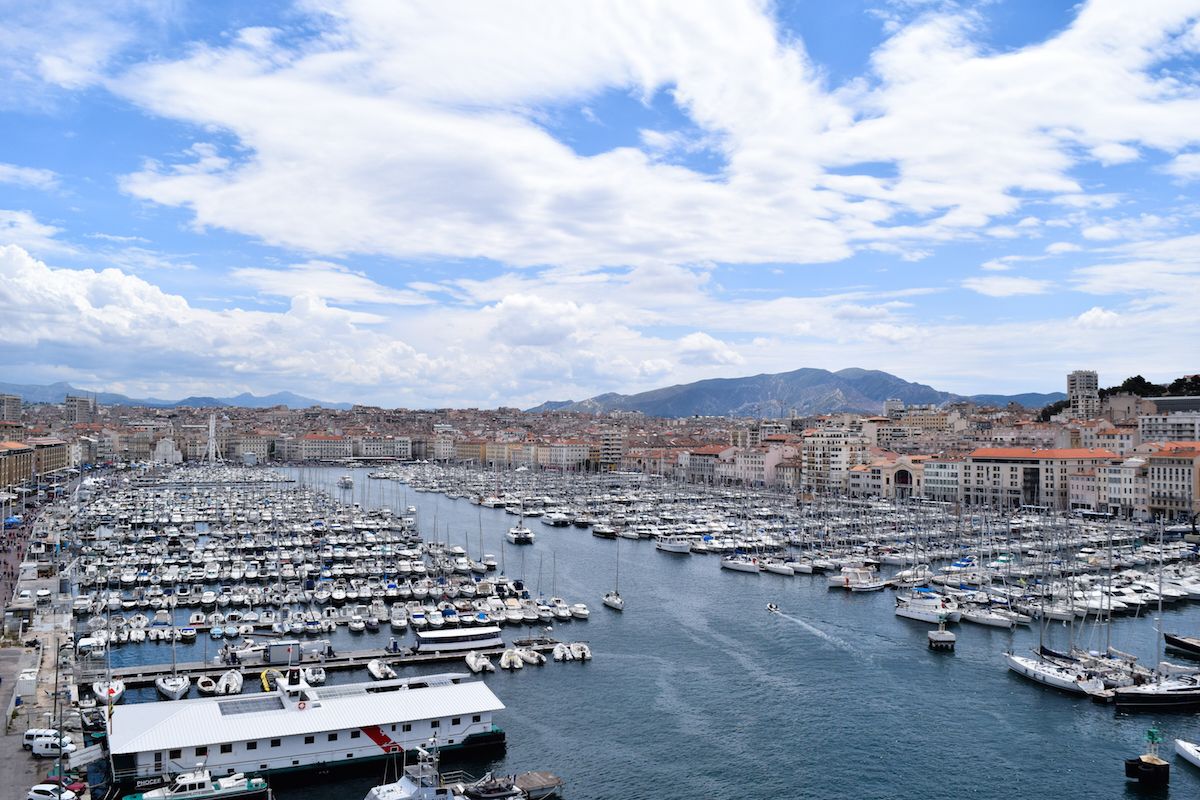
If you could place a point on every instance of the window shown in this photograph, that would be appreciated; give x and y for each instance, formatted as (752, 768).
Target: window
(251, 745)
(227, 747)
(333, 737)
(355, 734)
(309, 739)
(201, 752)
(174, 754)
(476, 718)
(435, 723)
(349, 755)
(275, 743)
(456, 721)
(406, 727)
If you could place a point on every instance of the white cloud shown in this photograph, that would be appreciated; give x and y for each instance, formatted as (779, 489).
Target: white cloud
(118, 324)
(1006, 285)
(702, 349)
(1058, 248)
(1097, 317)
(1185, 166)
(440, 150)
(1100, 233)
(22, 228)
(333, 283)
(28, 176)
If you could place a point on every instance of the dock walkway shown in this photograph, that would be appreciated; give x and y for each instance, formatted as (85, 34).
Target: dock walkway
(145, 675)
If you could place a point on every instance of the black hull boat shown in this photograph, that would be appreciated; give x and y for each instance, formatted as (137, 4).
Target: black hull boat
(1188, 645)
(1182, 693)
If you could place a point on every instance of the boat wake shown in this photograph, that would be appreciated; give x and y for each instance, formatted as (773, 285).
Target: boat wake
(840, 644)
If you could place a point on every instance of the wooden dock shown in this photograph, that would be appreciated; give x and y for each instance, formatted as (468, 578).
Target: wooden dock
(144, 675)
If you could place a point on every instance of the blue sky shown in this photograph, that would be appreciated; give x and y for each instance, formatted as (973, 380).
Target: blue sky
(407, 204)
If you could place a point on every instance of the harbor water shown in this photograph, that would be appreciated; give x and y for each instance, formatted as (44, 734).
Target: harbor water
(696, 691)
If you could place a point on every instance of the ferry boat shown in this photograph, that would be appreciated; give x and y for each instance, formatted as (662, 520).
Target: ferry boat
(299, 727)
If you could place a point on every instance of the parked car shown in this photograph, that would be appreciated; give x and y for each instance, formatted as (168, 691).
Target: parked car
(52, 748)
(33, 734)
(48, 791)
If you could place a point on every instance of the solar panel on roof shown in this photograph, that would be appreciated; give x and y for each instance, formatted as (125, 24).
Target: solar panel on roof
(249, 705)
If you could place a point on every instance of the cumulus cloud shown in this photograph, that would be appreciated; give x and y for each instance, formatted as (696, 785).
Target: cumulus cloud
(78, 314)
(700, 348)
(1097, 317)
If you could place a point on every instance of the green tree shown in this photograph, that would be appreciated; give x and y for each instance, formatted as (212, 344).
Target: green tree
(1054, 408)
(1187, 386)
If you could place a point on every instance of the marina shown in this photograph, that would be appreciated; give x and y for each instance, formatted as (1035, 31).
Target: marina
(827, 584)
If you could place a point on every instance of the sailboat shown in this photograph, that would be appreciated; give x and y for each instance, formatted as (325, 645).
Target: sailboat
(110, 690)
(613, 599)
(173, 686)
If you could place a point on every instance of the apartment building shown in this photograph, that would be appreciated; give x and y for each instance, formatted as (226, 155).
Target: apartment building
(827, 457)
(1007, 477)
(1174, 480)
(1170, 426)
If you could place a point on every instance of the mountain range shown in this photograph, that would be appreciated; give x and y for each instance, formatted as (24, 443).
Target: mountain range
(805, 391)
(56, 392)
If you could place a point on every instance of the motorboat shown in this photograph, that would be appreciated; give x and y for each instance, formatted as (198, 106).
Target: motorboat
(531, 657)
(1188, 751)
(230, 682)
(109, 691)
(173, 687)
(206, 685)
(511, 659)
(478, 662)
(314, 676)
(581, 651)
(380, 670)
(199, 784)
(562, 652)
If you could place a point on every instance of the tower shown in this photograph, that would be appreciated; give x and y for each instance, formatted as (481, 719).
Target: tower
(1083, 393)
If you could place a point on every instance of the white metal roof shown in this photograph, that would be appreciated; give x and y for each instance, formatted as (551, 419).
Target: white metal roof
(167, 725)
(459, 633)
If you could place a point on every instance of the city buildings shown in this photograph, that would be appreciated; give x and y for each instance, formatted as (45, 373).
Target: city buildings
(1137, 460)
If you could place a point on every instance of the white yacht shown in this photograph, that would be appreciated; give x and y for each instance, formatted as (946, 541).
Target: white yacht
(614, 600)
(674, 544)
(926, 605)
(741, 563)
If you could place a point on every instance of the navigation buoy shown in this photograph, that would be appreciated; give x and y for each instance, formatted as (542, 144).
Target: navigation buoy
(1148, 769)
(941, 639)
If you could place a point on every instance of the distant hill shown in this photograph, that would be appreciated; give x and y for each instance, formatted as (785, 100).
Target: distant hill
(57, 392)
(806, 391)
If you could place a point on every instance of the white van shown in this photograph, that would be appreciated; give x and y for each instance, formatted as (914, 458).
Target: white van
(52, 748)
(33, 734)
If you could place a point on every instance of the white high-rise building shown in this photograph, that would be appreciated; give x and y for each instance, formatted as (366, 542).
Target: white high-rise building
(1083, 393)
(10, 408)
